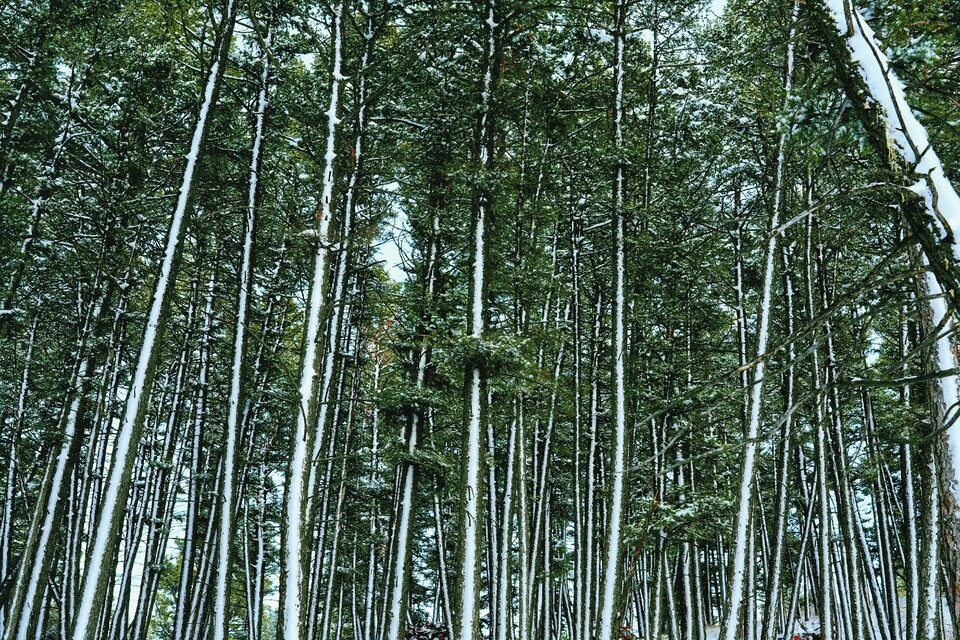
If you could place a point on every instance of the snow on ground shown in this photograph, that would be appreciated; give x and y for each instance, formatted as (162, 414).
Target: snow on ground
(812, 624)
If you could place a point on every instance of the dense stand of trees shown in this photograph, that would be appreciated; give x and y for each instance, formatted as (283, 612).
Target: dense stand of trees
(597, 320)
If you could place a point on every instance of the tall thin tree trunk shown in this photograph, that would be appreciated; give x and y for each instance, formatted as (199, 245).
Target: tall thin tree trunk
(471, 529)
(772, 600)
(610, 607)
(295, 559)
(101, 561)
(221, 612)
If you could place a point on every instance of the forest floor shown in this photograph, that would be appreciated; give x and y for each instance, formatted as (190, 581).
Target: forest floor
(811, 624)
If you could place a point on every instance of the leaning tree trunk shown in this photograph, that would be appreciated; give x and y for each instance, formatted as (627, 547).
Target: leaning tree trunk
(739, 558)
(772, 601)
(932, 212)
(227, 500)
(13, 107)
(102, 550)
(339, 317)
(39, 553)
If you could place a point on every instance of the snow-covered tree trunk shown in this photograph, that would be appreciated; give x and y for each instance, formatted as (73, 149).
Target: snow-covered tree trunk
(800, 568)
(471, 492)
(445, 587)
(101, 559)
(35, 59)
(738, 559)
(86, 480)
(772, 601)
(822, 551)
(254, 555)
(369, 622)
(188, 556)
(32, 234)
(850, 555)
(775, 576)
(591, 562)
(297, 529)
(930, 594)
(928, 538)
(39, 552)
(525, 598)
(11, 621)
(227, 499)
(542, 481)
(329, 395)
(933, 208)
(333, 389)
(420, 358)
(909, 509)
(492, 520)
(198, 620)
(332, 580)
(609, 607)
(504, 625)
(885, 591)
(324, 580)
(932, 211)
(165, 474)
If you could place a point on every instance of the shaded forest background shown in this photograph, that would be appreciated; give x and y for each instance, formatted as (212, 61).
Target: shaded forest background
(556, 246)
